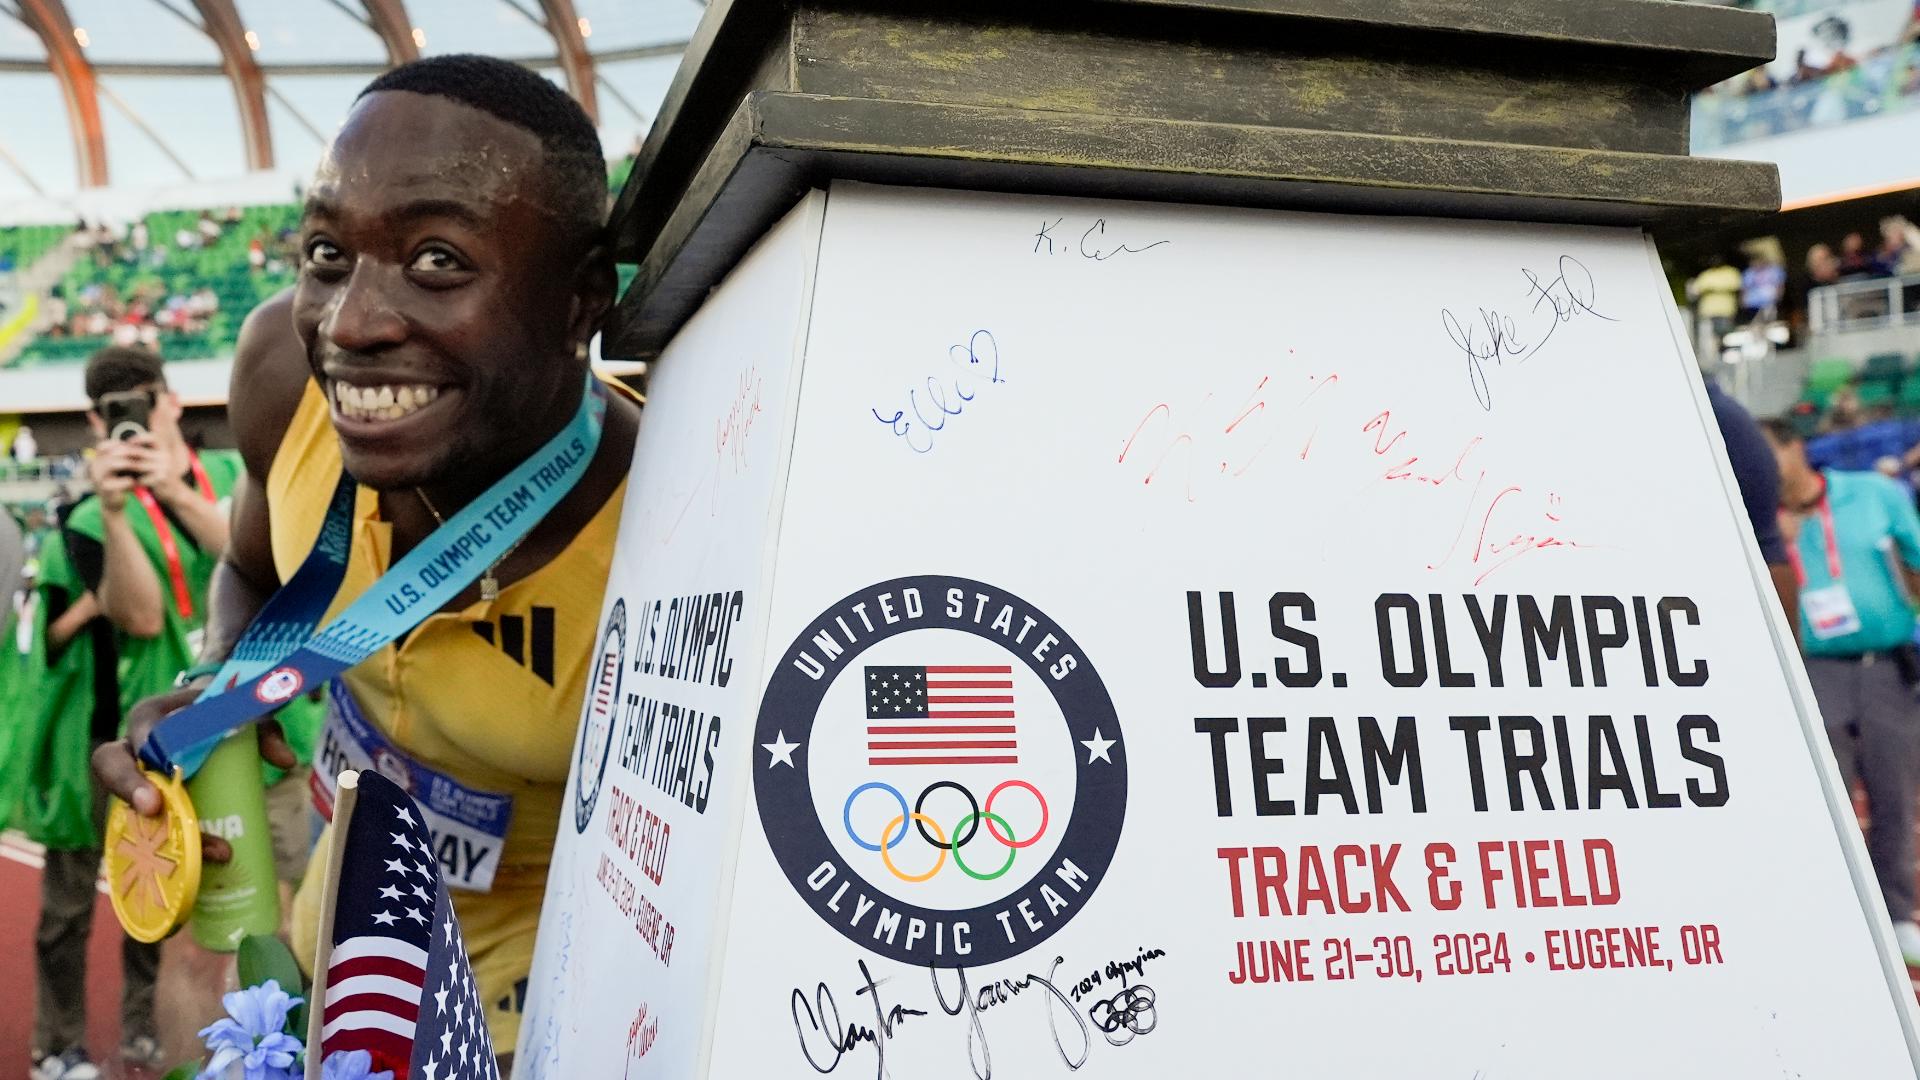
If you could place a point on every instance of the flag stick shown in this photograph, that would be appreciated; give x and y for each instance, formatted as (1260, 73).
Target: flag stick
(346, 793)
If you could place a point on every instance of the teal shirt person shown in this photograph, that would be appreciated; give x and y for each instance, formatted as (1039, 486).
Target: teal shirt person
(1875, 531)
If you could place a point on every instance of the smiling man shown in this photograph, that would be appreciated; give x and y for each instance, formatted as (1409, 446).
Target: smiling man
(454, 269)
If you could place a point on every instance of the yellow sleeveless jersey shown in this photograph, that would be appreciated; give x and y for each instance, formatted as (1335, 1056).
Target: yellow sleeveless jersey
(488, 695)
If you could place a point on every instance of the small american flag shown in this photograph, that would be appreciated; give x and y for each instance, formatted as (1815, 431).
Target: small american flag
(397, 984)
(951, 715)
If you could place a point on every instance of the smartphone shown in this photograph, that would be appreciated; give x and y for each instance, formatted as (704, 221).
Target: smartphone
(126, 413)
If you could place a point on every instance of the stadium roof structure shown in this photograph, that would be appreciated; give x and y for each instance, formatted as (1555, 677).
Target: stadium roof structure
(144, 93)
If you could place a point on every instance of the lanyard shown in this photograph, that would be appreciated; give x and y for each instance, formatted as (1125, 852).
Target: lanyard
(280, 657)
(1832, 544)
(176, 573)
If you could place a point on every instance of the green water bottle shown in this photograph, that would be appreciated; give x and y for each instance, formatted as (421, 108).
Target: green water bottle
(240, 897)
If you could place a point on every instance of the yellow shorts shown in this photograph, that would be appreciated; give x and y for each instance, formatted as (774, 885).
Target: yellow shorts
(499, 928)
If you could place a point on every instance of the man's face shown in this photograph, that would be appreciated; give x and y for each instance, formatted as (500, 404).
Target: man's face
(436, 297)
(1792, 458)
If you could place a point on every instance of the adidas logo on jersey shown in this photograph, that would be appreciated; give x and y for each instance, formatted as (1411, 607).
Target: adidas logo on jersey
(529, 646)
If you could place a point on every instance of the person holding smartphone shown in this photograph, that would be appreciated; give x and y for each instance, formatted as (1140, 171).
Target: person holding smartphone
(143, 547)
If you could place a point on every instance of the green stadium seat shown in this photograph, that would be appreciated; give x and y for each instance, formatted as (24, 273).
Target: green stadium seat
(1830, 375)
(1886, 366)
(1876, 392)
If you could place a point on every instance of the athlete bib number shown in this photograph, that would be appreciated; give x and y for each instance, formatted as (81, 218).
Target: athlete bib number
(469, 827)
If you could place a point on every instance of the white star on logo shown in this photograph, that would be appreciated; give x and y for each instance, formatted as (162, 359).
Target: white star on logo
(780, 749)
(385, 918)
(1097, 748)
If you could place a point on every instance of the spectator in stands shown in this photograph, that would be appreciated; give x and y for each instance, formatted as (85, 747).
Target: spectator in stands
(1761, 285)
(209, 228)
(1823, 266)
(257, 253)
(1828, 54)
(1854, 539)
(25, 447)
(139, 236)
(1716, 296)
(1855, 260)
(1899, 246)
(1843, 410)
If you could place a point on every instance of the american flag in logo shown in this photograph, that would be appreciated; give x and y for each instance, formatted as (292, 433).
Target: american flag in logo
(398, 983)
(950, 715)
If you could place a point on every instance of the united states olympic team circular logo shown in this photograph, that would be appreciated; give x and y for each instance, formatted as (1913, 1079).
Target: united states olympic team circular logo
(603, 696)
(280, 685)
(940, 771)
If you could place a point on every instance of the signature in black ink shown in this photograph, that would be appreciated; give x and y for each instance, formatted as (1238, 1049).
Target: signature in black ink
(1493, 336)
(822, 1018)
(1000, 992)
(979, 358)
(1126, 1014)
(1090, 243)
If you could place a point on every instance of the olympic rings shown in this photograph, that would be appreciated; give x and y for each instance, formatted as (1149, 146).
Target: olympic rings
(846, 813)
(958, 840)
(1008, 839)
(888, 859)
(974, 820)
(964, 831)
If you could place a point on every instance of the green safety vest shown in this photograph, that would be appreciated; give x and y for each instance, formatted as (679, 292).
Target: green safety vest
(56, 798)
(149, 666)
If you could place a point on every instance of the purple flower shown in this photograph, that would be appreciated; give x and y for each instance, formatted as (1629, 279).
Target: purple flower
(251, 1043)
(351, 1065)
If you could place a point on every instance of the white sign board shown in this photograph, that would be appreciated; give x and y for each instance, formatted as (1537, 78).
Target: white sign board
(1170, 639)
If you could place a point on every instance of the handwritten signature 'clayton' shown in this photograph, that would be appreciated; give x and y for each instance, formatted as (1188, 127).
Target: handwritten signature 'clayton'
(825, 1038)
(1494, 337)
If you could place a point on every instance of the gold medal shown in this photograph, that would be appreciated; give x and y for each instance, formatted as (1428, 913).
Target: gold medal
(153, 863)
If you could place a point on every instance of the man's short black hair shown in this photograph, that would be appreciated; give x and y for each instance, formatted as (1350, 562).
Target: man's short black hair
(118, 368)
(1780, 431)
(525, 99)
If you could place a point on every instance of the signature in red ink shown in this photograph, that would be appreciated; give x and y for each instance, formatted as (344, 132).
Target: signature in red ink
(1508, 530)
(730, 431)
(1234, 436)
(1410, 467)
(641, 1035)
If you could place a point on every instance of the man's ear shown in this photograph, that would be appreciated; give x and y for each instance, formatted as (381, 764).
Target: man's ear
(97, 423)
(595, 281)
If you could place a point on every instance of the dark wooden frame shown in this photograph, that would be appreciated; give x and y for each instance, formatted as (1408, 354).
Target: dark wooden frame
(1545, 110)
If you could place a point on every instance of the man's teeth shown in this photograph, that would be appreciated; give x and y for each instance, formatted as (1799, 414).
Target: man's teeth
(381, 402)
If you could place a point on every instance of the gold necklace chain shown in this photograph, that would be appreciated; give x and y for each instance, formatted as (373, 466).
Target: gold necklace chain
(489, 581)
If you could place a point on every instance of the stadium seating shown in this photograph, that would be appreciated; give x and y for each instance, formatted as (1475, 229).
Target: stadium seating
(221, 266)
(22, 245)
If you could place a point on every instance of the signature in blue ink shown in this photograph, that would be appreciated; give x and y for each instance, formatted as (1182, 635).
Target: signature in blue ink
(947, 395)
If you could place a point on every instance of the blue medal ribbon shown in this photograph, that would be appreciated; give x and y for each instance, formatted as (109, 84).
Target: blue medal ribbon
(280, 656)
